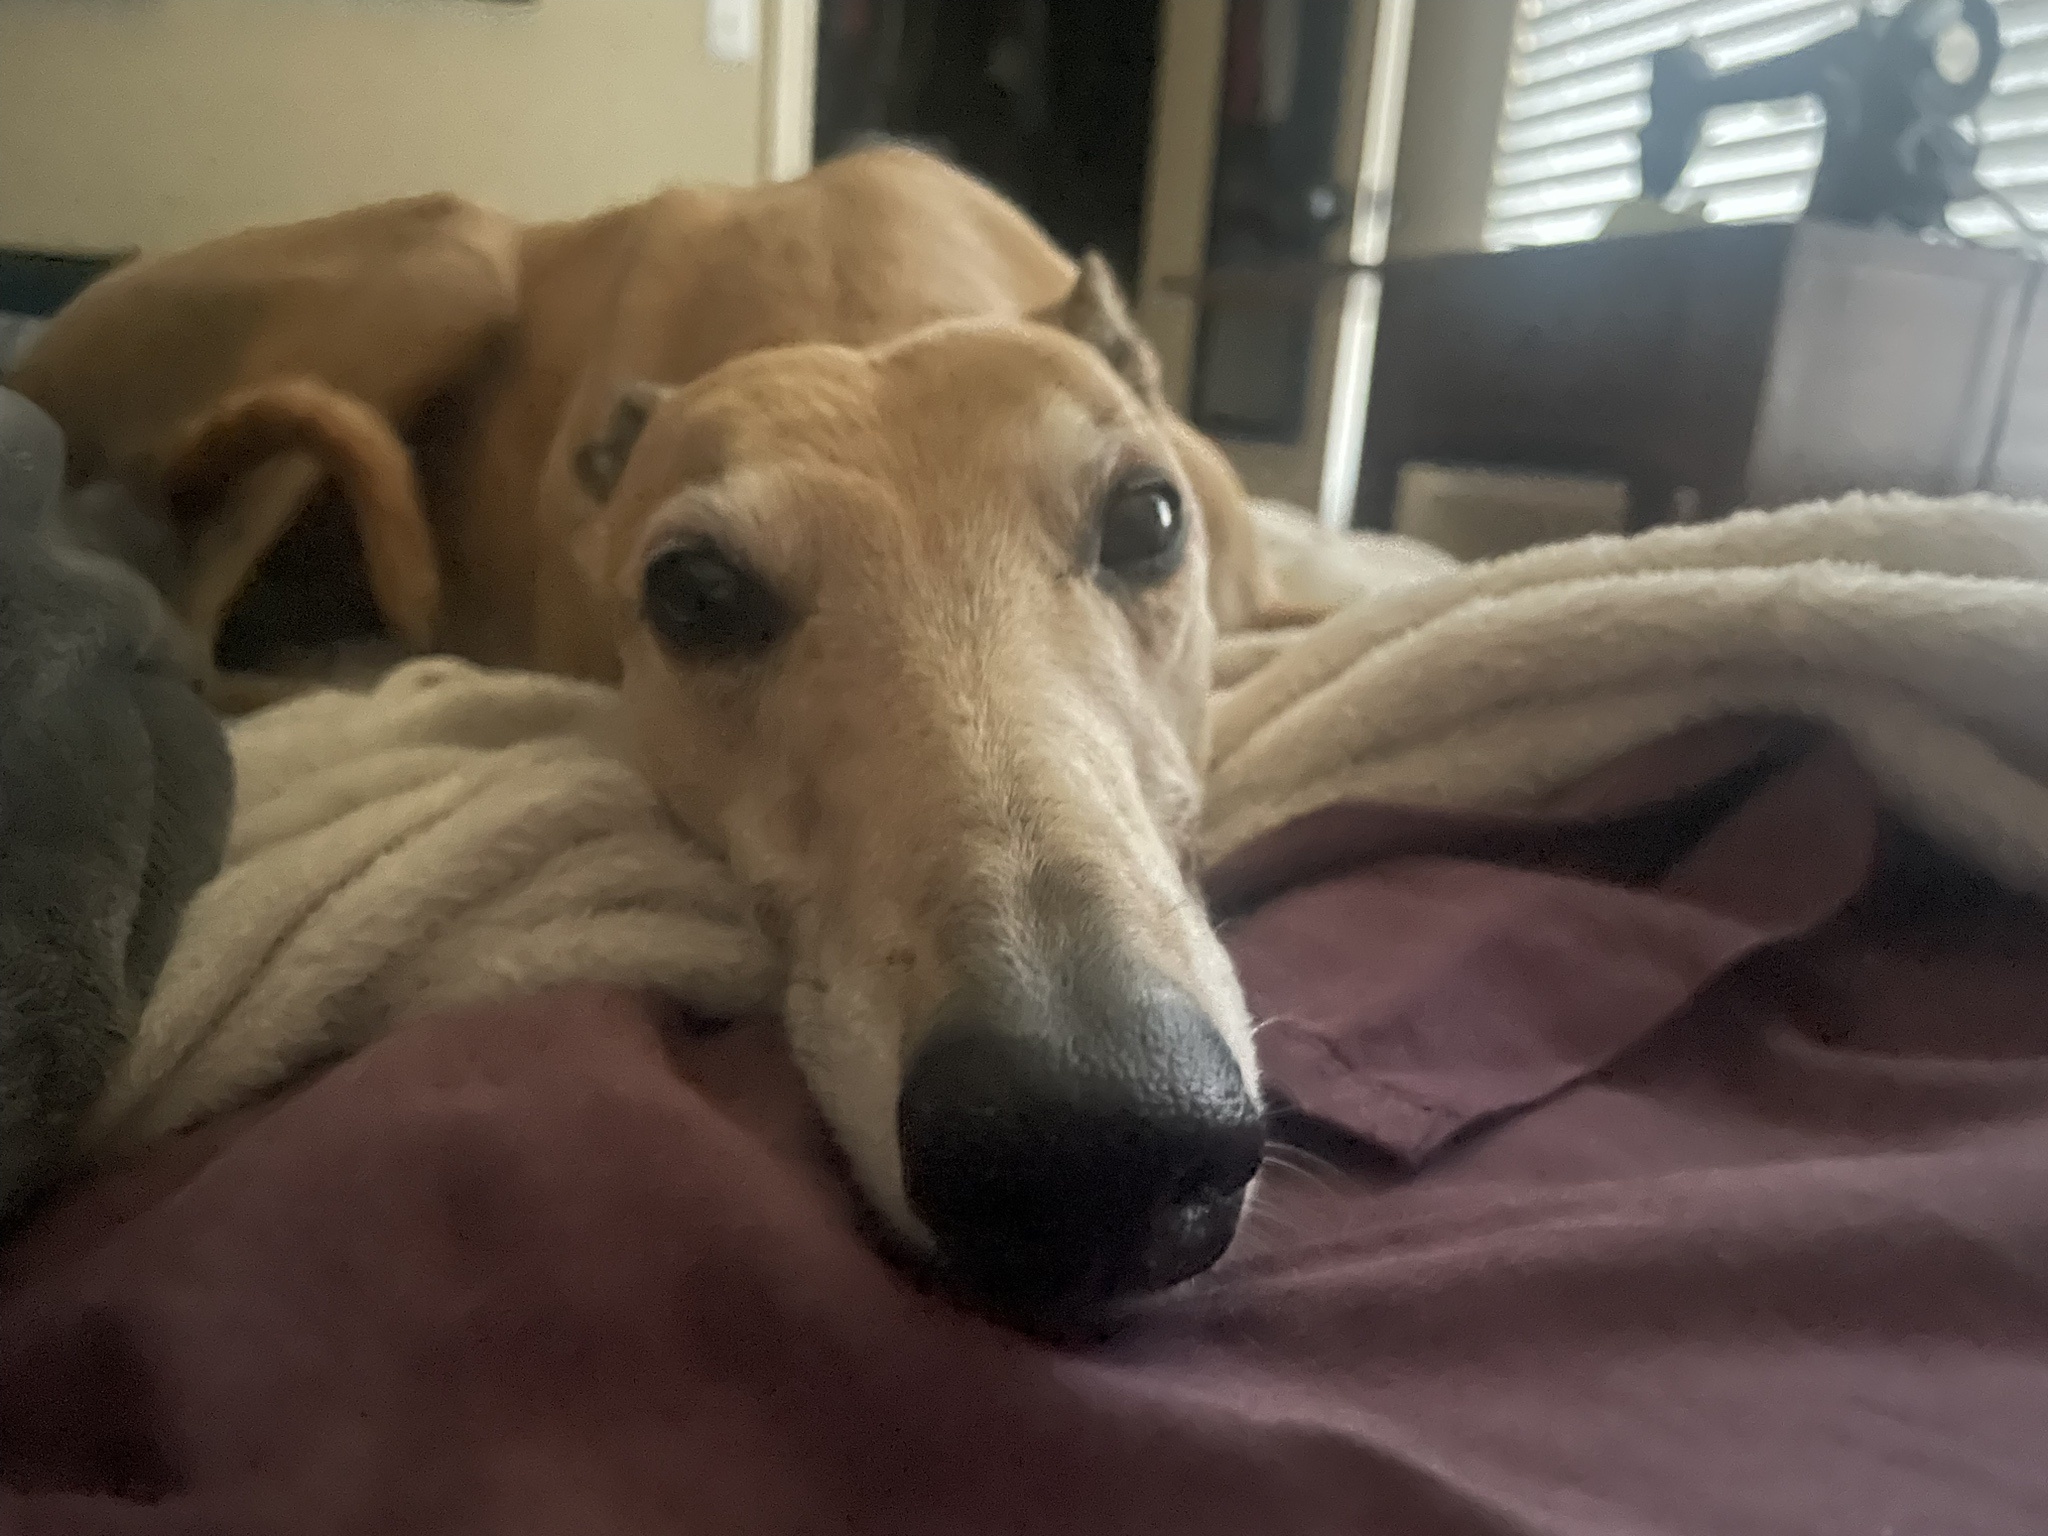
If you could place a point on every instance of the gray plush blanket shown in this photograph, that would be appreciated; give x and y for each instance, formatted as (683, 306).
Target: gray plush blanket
(115, 787)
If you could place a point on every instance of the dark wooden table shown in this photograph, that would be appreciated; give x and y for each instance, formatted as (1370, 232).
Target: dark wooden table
(41, 282)
(1717, 368)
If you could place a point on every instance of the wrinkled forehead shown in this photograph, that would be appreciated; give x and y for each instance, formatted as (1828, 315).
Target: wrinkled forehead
(967, 398)
(1032, 390)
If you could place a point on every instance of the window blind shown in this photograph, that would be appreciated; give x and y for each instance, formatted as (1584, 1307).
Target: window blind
(1578, 90)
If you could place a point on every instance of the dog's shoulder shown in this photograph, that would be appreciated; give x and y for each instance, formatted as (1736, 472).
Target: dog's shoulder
(880, 141)
(894, 167)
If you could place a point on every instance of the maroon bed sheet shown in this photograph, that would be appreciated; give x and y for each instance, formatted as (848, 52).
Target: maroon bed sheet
(1676, 1161)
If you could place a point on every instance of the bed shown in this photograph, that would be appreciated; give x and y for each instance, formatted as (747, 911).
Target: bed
(1649, 943)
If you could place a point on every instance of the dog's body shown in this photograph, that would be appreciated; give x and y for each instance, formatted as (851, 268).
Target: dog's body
(497, 348)
(868, 498)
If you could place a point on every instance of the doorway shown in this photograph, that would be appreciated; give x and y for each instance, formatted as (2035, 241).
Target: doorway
(1050, 101)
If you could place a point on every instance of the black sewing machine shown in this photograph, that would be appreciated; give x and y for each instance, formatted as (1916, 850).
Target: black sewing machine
(1894, 90)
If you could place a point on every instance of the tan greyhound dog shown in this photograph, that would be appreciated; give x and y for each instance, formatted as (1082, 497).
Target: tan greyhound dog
(868, 498)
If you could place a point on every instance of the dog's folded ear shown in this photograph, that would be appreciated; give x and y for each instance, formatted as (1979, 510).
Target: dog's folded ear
(600, 463)
(1094, 311)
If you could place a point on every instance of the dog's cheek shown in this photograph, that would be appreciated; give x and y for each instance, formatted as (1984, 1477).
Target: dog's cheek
(1180, 663)
(673, 740)
(591, 542)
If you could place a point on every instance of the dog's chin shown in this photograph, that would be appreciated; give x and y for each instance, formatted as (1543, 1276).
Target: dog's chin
(1070, 1320)
(852, 1068)
(1068, 1324)
(927, 1271)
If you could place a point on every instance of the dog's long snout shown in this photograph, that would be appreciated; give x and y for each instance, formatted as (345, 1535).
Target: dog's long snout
(1072, 1138)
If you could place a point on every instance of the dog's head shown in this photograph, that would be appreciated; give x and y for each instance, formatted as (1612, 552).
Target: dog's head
(919, 638)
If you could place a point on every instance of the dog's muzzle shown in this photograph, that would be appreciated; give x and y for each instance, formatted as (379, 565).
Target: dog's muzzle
(1075, 1133)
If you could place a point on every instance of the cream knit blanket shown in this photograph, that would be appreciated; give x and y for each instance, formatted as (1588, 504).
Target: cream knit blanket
(457, 834)
(453, 835)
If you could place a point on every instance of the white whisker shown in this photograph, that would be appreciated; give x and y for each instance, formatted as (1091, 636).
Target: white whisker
(1305, 1161)
(1322, 1179)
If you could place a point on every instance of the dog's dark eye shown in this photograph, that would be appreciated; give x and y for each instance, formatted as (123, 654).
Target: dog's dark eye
(1144, 531)
(699, 599)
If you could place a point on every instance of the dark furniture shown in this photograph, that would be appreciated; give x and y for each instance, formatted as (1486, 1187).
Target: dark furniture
(33, 286)
(42, 282)
(1717, 368)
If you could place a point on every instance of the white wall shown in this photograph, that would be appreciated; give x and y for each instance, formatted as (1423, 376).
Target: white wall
(156, 123)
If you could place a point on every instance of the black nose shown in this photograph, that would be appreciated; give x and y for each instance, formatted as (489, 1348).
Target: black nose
(1076, 1138)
